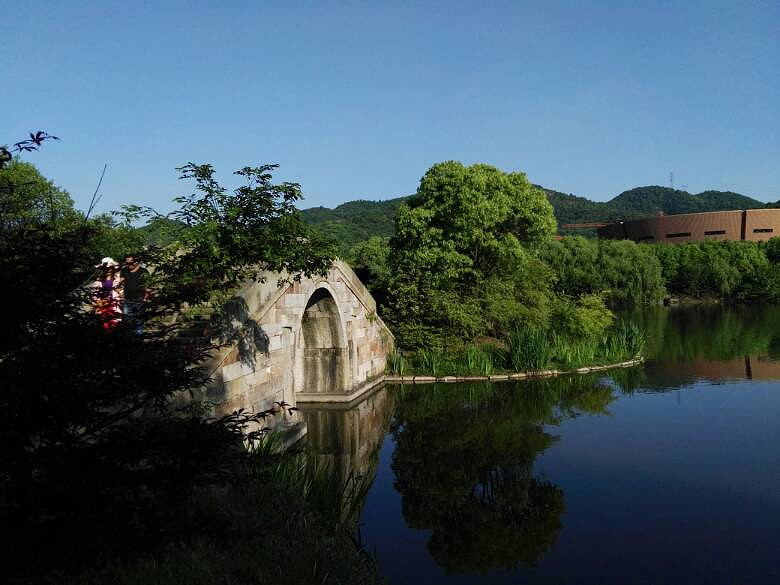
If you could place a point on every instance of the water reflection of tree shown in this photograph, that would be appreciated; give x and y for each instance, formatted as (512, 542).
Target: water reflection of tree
(714, 342)
(464, 465)
(715, 332)
(629, 380)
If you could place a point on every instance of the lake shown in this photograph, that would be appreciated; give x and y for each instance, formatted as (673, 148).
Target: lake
(666, 473)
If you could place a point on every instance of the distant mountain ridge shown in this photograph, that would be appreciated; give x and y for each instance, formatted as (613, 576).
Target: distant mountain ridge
(355, 221)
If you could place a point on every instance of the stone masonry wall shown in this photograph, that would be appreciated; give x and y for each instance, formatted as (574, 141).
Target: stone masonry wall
(349, 352)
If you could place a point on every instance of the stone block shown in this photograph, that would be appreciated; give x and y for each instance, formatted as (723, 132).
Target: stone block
(271, 329)
(233, 404)
(236, 370)
(235, 388)
(275, 343)
(294, 300)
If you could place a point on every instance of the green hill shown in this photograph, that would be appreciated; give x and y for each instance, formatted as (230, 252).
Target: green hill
(358, 220)
(354, 221)
(643, 201)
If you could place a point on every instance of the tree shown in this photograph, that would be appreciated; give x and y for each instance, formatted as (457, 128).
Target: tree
(738, 270)
(369, 260)
(98, 459)
(458, 258)
(27, 197)
(624, 272)
(773, 250)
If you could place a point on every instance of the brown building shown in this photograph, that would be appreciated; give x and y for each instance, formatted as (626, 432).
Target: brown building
(752, 224)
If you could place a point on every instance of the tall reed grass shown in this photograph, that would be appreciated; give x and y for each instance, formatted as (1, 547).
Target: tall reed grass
(432, 362)
(622, 341)
(396, 363)
(527, 349)
(628, 339)
(476, 360)
(336, 500)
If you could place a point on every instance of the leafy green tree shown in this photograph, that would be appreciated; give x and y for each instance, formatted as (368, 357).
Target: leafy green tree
(26, 197)
(369, 260)
(624, 272)
(630, 273)
(231, 236)
(773, 250)
(737, 271)
(584, 318)
(29, 199)
(458, 259)
(109, 237)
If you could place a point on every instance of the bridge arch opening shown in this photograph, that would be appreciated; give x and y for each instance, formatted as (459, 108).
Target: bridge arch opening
(323, 353)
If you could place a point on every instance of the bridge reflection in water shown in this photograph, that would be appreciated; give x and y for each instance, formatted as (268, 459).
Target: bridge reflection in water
(347, 437)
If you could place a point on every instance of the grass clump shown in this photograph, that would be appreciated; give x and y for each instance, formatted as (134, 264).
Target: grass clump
(433, 362)
(622, 341)
(529, 349)
(476, 360)
(336, 500)
(396, 363)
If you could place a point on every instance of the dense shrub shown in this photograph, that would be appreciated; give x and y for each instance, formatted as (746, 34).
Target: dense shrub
(737, 271)
(624, 272)
(586, 317)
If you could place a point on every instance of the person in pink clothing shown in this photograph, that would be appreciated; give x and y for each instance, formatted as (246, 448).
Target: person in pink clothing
(108, 294)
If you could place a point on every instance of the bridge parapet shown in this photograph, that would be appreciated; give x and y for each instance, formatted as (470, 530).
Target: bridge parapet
(316, 340)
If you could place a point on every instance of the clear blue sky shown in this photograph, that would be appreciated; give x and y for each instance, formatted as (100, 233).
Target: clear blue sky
(358, 99)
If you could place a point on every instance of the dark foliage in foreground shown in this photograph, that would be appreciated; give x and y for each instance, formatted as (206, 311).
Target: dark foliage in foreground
(99, 462)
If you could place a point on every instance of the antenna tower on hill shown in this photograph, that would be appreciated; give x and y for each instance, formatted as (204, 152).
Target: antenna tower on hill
(671, 179)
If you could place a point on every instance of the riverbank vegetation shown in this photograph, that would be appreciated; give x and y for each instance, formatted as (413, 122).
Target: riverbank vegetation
(524, 349)
(473, 258)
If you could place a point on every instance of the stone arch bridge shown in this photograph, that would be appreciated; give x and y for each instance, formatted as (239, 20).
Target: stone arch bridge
(316, 340)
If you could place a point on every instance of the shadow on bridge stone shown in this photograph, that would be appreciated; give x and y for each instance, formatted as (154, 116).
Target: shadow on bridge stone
(234, 324)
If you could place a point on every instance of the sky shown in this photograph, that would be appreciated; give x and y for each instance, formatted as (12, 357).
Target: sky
(356, 100)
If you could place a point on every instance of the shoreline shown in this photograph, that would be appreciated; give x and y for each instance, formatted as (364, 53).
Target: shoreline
(414, 379)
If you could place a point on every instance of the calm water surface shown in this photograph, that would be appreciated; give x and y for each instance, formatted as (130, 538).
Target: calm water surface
(668, 473)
